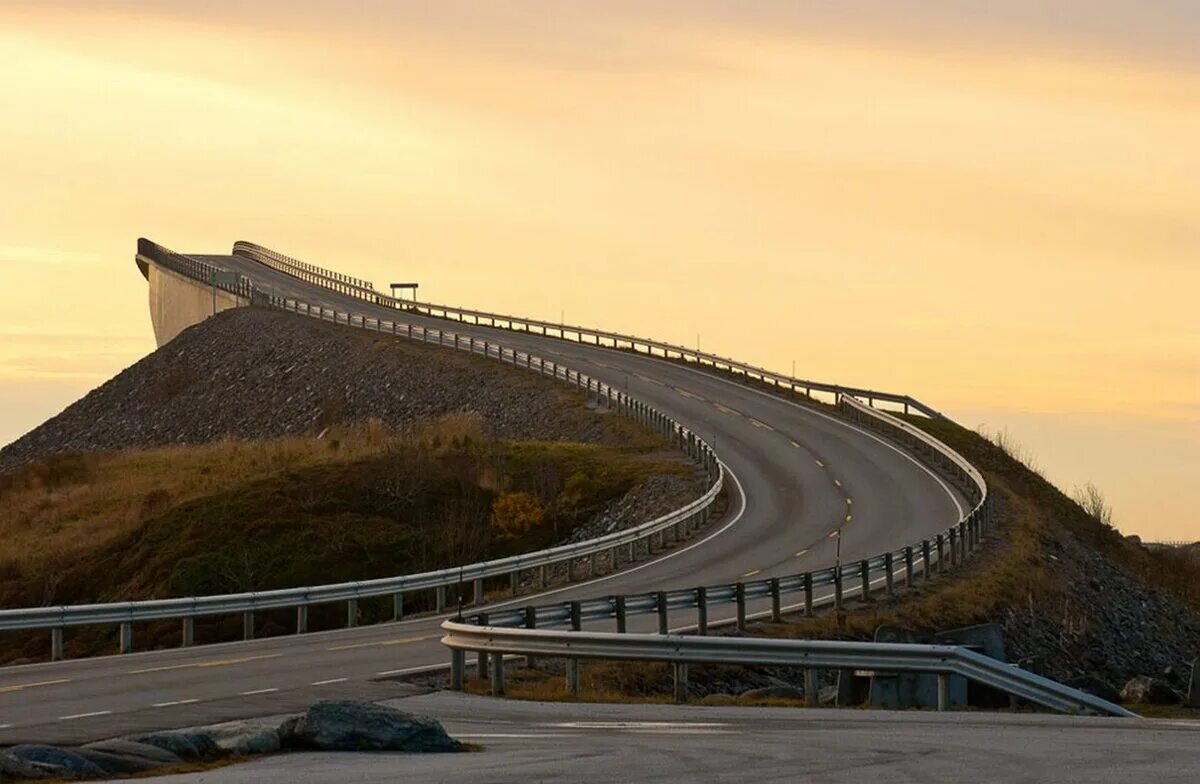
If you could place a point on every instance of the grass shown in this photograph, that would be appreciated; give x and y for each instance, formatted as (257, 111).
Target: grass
(355, 503)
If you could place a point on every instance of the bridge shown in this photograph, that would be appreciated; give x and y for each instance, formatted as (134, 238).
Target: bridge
(801, 480)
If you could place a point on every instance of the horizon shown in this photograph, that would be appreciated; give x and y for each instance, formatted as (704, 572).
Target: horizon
(991, 210)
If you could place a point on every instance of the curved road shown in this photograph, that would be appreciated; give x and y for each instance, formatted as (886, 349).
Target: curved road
(796, 475)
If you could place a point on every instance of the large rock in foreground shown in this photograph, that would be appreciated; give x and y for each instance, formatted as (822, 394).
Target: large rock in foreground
(347, 725)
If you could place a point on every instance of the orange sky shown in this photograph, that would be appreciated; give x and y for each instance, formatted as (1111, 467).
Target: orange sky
(998, 216)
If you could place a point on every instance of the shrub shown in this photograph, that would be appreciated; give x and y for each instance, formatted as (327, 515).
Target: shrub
(516, 513)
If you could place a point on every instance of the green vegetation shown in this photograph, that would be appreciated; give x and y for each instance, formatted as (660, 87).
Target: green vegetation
(356, 503)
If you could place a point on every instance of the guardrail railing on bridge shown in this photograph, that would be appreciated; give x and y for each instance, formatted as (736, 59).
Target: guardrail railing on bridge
(616, 340)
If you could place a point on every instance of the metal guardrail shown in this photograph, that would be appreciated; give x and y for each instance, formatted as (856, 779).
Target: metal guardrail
(812, 655)
(193, 268)
(625, 543)
(580, 334)
(295, 267)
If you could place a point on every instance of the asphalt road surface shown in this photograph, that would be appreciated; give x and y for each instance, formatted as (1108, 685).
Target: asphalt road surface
(570, 742)
(796, 475)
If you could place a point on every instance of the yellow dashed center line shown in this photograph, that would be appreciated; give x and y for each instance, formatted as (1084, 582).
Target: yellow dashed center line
(802, 552)
(751, 573)
(820, 464)
(833, 533)
(763, 425)
(795, 445)
(849, 518)
(200, 665)
(837, 482)
(848, 502)
(726, 409)
(648, 379)
(22, 686)
(381, 643)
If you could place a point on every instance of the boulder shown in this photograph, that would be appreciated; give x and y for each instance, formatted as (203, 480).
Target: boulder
(190, 744)
(65, 762)
(1097, 687)
(117, 764)
(15, 768)
(244, 737)
(129, 748)
(349, 725)
(1147, 690)
(775, 693)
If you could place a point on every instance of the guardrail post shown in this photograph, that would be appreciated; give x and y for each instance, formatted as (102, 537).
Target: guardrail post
(941, 553)
(458, 663)
(632, 552)
(248, 625)
(592, 565)
(808, 594)
(837, 588)
(397, 606)
(351, 613)
(864, 573)
(573, 664)
(925, 555)
(619, 611)
(531, 623)
(189, 631)
(302, 619)
(702, 611)
(776, 609)
(477, 591)
(811, 697)
(482, 659)
(56, 644)
(943, 691)
(954, 547)
(660, 604)
(498, 675)
(514, 581)
(740, 596)
(681, 682)
(126, 637)
(908, 567)
(544, 576)
(887, 568)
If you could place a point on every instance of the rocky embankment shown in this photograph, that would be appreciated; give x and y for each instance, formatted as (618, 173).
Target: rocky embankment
(251, 373)
(332, 725)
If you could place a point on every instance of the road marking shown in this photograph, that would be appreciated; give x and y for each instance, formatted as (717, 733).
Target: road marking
(204, 664)
(84, 715)
(837, 482)
(751, 573)
(726, 409)
(419, 668)
(648, 379)
(501, 735)
(22, 686)
(763, 425)
(797, 446)
(331, 680)
(849, 518)
(833, 534)
(820, 464)
(685, 393)
(4, 726)
(848, 502)
(382, 643)
(802, 553)
(174, 702)
(257, 691)
(637, 725)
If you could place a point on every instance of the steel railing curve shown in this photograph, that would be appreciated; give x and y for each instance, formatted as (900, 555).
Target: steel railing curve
(681, 650)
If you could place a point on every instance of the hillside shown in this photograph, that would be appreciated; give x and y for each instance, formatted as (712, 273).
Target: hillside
(251, 373)
(260, 450)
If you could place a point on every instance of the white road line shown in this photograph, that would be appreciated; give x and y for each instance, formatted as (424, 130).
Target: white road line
(174, 702)
(4, 726)
(419, 668)
(257, 691)
(331, 680)
(637, 725)
(802, 552)
(489, 735)
(84, 715)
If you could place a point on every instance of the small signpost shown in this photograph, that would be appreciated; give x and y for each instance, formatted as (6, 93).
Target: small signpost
(411, 286)
(224, 279)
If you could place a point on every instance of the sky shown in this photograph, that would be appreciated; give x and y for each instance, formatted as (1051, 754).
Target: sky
(994, 207)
